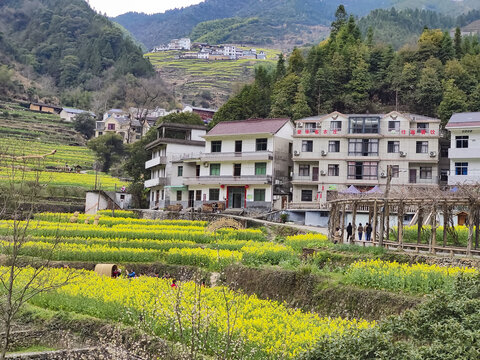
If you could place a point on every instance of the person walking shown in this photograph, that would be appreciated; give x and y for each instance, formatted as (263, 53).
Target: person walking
(349, 232)
(360, 231)
(368, 232)
(337, 236)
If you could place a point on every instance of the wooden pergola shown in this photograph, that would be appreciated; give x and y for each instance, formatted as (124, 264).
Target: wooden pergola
(427, 208)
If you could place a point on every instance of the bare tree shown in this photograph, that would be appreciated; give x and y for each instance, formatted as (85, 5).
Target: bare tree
(21, 279)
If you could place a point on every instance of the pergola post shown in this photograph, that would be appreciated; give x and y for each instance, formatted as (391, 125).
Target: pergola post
(400, 223)
(446, 222)
(343, 221)
(433, 241)
(354, 221)
(470, 228)
(419, 224)
(374, 227)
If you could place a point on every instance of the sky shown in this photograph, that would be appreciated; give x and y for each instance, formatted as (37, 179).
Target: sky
(117, 7)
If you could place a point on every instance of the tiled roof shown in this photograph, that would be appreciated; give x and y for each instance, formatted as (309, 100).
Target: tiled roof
(250, 126)
(464, 119)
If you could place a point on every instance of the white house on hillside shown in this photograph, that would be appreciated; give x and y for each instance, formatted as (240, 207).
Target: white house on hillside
(464, 152)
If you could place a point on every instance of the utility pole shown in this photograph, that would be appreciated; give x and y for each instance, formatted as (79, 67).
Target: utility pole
(385, 205)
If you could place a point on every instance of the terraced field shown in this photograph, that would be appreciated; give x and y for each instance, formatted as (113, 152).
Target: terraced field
(190, 77)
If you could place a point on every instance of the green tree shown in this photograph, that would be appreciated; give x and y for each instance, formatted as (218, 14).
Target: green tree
(283, 96)
(474, 100)
(182, 118)
(428, 93)
(359, 87)
(84, 123)
(454, 101)
(108, 149)
(281, 69)
(296, 62)
(457, 40)
(447, 51)
(340, 20)
(300, 109)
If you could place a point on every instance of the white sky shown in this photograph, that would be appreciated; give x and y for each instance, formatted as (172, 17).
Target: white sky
(117, 7)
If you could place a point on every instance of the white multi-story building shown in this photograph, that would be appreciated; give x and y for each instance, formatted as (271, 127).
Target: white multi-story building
(335, 151)
(230, 51)
(180, 44)
(245, 164)
(174, 142)
(464, 152)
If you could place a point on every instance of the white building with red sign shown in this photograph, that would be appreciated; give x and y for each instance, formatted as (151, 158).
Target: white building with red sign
(334, 151)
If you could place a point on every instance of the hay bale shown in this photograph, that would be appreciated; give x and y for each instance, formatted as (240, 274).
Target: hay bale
(105, 269)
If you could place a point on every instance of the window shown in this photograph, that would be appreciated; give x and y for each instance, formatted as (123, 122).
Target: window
(334, 146)
(363, 147)
(422, 147)
(238, 146)
(425, 172)
(461, 168)
(364, 125)
(307, 145)
(216, 146)
(180, 171)
(393, 146)
(215, 169)
(395, 171)
(394, 126)
(214, 194)
(307, 195)
(336, 125)
(197, 170)
(111, 127)
(462, 142)
(333, 170)
(198, 195)
(444, 151)
(237, 169)
(310, 126)
(304, 170)
(179, 195)
(259, 194)
(260, 168)
(422, 127)
(366, 170)
(261, 145)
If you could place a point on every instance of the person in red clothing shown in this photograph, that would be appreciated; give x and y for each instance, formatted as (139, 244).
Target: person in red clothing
(174, 283)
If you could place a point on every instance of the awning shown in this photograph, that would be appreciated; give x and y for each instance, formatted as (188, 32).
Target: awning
(352, 190)
(176, 187)
(374, 190)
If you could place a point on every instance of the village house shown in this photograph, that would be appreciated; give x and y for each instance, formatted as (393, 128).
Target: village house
(68, 114)
(45, 108)
(122, 123)
(174, 143)
(464, 152)
(338, 153)
(245, 165)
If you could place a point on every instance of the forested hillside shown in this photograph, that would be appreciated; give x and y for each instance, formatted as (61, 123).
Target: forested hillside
(350, 74)
(277, 22)
(403, 27)
(56, 48)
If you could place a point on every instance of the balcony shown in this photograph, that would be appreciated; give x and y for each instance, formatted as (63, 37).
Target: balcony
(300, 179)
(237, 156)
(463, 153)
(229, 180)
(155, 182)
(160, 160)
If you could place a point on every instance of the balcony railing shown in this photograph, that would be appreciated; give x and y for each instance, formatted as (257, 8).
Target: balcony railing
(234, 180)
(232, 156)
(160, 160)
(155, 182)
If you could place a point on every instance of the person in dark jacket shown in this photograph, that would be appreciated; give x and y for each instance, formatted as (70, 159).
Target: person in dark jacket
(368, 231)
(349, 232)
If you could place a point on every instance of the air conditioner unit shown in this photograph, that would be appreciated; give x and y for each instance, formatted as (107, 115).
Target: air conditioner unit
(403, 154)
(433, 153)
(296, 153)
(323, 153)
(205, 164)
(383, 175)
(322, 172)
